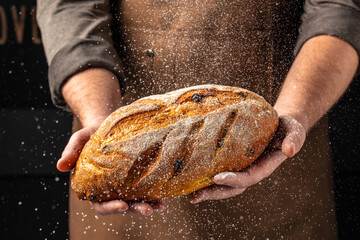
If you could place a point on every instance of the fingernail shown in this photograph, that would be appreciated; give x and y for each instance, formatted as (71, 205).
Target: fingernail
(146, 212)
(141, 210)
(294, 146)
(224, 176)
(159, 209)
(290, 151)
(120, 210)
(195, 199)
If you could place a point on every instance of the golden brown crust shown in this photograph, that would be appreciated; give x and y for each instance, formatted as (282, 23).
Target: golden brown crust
(168, 145)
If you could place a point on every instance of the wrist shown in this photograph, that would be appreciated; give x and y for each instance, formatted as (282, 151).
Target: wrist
(296, 114)
(92, 95)
(93, 121)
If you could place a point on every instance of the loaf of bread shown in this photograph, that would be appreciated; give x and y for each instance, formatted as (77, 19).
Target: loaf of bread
(164, 146)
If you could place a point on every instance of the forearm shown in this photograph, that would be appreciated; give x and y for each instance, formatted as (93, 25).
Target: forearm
(92, 95)
(85, 40)
(320, 74)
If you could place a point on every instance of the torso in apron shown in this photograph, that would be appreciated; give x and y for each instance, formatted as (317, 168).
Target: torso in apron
(166, 45)
(171, 44)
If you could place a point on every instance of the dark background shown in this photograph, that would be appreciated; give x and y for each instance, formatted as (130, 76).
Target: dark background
(33, 194)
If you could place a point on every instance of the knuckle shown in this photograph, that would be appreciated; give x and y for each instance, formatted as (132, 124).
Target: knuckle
(252, 178)
(75, 136)
(265, 174)
(257, 178)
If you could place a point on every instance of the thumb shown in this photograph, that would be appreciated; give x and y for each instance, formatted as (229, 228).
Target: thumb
(73, 149)
(294, 139)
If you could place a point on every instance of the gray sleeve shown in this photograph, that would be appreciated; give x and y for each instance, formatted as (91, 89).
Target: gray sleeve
(76, 35)
(339, 18)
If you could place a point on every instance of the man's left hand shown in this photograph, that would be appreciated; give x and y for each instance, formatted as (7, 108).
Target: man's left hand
(286, 142)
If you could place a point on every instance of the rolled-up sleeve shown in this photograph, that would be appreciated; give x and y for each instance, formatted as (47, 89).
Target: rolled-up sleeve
(76, 35)
(339, 18)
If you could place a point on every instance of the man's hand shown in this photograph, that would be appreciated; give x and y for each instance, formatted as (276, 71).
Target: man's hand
(287, 141)
(73, 148)
(92, 95)
(321, 72)
(67, 162)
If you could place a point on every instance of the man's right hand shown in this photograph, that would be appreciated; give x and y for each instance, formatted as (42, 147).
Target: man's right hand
(92, 95)
(73, 149)
(67, 163)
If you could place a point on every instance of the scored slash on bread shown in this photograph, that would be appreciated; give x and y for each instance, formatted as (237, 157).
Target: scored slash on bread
(169, 145)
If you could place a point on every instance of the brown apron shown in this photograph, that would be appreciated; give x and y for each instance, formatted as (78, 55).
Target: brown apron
(171, 44)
